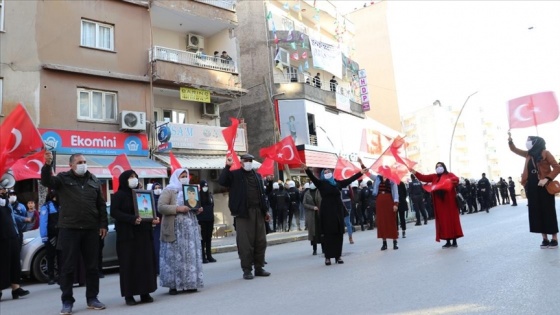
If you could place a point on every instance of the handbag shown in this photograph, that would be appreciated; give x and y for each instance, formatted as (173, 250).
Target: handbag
(553, 187)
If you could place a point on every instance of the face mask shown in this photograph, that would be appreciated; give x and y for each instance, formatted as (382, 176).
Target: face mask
(312, 186)
(184, 180)
(133, 182)
(247, 166)
(204, 189)
(157, 191)
(439, 169)
(529, 145)
(327, 176)
(12, 199)
(81, 169)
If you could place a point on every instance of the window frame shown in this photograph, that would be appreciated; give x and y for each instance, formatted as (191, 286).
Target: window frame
(97, 37)
(104, 94)
(2, 7)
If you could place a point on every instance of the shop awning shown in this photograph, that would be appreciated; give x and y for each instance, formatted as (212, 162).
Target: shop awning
(200, 162)
(97, 165)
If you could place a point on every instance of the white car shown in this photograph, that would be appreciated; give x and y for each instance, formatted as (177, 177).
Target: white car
(34, 255)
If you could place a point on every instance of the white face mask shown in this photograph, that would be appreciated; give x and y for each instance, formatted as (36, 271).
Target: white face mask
(439, 170)
(157, 191)
(247, 166)
(81, 169)
(529, 144)
(204, 189)
(327, 176)
(12, 199)
(184, 180)
(312, 186)
(133, 182)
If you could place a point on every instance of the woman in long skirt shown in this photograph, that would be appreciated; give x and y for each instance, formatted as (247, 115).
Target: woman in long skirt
(386, 204)
(181, 253)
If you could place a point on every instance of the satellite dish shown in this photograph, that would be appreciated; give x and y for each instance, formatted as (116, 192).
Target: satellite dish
(8, 180)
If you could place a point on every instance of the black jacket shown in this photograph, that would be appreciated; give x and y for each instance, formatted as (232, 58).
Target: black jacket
(415, 189)
(80, 198)
(237, 185)
(207, 204)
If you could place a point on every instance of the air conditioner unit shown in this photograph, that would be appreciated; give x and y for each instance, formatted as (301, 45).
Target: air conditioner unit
(210, 110)
(132, 121)
(195, 41)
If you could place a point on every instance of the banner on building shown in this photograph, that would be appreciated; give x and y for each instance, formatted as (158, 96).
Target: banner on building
(196, 95)
(326, 56)
(203, 137)
(364, 97)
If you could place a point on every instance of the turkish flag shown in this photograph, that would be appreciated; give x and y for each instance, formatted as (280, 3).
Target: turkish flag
(395, 148)
(175, 165)
(29, 167)
(19, 138)
(532, 110)
(443, 185)
(119, 165)
(344, 169)
(230, 133)
(390, 164)
(284, 152)
(267, 167)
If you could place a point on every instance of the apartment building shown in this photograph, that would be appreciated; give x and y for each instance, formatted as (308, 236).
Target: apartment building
(107, 77)
(291, 50)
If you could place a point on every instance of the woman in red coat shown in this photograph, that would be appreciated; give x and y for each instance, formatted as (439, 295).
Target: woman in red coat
(443, 183)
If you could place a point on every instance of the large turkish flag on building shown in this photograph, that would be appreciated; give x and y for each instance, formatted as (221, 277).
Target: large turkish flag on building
(19, 138)
(532, 110)
(284, 152)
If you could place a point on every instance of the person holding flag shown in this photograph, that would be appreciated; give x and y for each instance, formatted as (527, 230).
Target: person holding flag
(387, 202)
(540, 169)
(332, 210)
(446, 212)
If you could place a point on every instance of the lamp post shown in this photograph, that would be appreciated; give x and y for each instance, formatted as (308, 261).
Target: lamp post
(455, 126)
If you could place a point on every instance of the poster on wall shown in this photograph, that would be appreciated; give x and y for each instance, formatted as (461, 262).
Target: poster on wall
(293, 121)
(326, 56)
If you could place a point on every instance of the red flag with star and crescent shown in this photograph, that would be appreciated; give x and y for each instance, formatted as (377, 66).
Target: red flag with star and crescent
(29, 166)
(344, 169)
(267, 167)
(395, 149)
(230, 133)
(532, 110)
(19, 138)
(119, 165)
(390, 164)
(283, 152)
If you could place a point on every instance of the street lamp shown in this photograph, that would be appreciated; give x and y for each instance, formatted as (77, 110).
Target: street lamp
(455, 126)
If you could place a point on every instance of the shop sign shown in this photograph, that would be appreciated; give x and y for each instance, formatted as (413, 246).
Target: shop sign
(196, 95)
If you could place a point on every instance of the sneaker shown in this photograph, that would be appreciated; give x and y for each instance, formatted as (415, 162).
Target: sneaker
(247, 275)
(553, 244)
(95, 304)
(545, 243)
(66, 308)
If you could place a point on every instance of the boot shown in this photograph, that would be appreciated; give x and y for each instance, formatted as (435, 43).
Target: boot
(418, 222)
(384, 247)
(425, 221)
(403, 234)
(395, 244)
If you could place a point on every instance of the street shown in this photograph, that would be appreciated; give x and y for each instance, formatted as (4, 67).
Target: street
(498, 268)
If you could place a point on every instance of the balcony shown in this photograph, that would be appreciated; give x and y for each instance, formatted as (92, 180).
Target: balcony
(224, 4)
(173, 67)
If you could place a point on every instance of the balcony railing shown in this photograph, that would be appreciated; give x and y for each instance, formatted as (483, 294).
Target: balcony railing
(192, 59)
(303, 78)
(224, 4)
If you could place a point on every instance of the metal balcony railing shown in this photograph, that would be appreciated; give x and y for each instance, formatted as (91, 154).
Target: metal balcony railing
(224, 4)
(192, 59)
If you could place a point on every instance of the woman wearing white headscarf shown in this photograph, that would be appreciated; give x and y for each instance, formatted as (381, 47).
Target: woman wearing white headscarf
(180, 253)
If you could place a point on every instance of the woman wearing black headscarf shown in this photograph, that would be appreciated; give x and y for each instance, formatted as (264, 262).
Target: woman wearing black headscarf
(135, 248)
(540, 169)
(206, 221)
(444, 199)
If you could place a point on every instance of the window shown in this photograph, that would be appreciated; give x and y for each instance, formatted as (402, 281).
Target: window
(175, 116)
(97, 105)
(1, 21)
(97, 35)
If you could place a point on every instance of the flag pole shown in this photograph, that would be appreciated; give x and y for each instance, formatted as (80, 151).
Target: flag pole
(455, 126)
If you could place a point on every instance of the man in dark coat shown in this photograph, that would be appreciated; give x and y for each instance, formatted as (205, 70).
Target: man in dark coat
(247, 203)
(402, 209)
(416, 193)
(511, 187)
(484, 191)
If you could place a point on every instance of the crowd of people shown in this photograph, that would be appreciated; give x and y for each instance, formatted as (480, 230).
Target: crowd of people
(174, 244)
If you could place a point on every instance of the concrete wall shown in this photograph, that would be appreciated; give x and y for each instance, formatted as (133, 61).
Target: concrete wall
(201, 9)
(373, 53)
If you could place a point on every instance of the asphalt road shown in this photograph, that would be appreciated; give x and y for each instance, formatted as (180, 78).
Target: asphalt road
(498, 268)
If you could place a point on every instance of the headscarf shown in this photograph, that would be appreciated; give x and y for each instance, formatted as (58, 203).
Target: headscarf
(440, 193)
(538, 146)
(174, 182)
(204, 196)
(330, 181)
(123, 180)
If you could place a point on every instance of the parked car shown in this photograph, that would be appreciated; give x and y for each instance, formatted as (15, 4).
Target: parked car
(34, 255)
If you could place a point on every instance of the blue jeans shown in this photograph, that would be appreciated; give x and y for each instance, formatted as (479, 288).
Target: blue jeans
(348, 225)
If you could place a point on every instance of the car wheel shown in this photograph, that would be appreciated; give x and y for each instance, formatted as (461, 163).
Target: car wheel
(39, 266)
